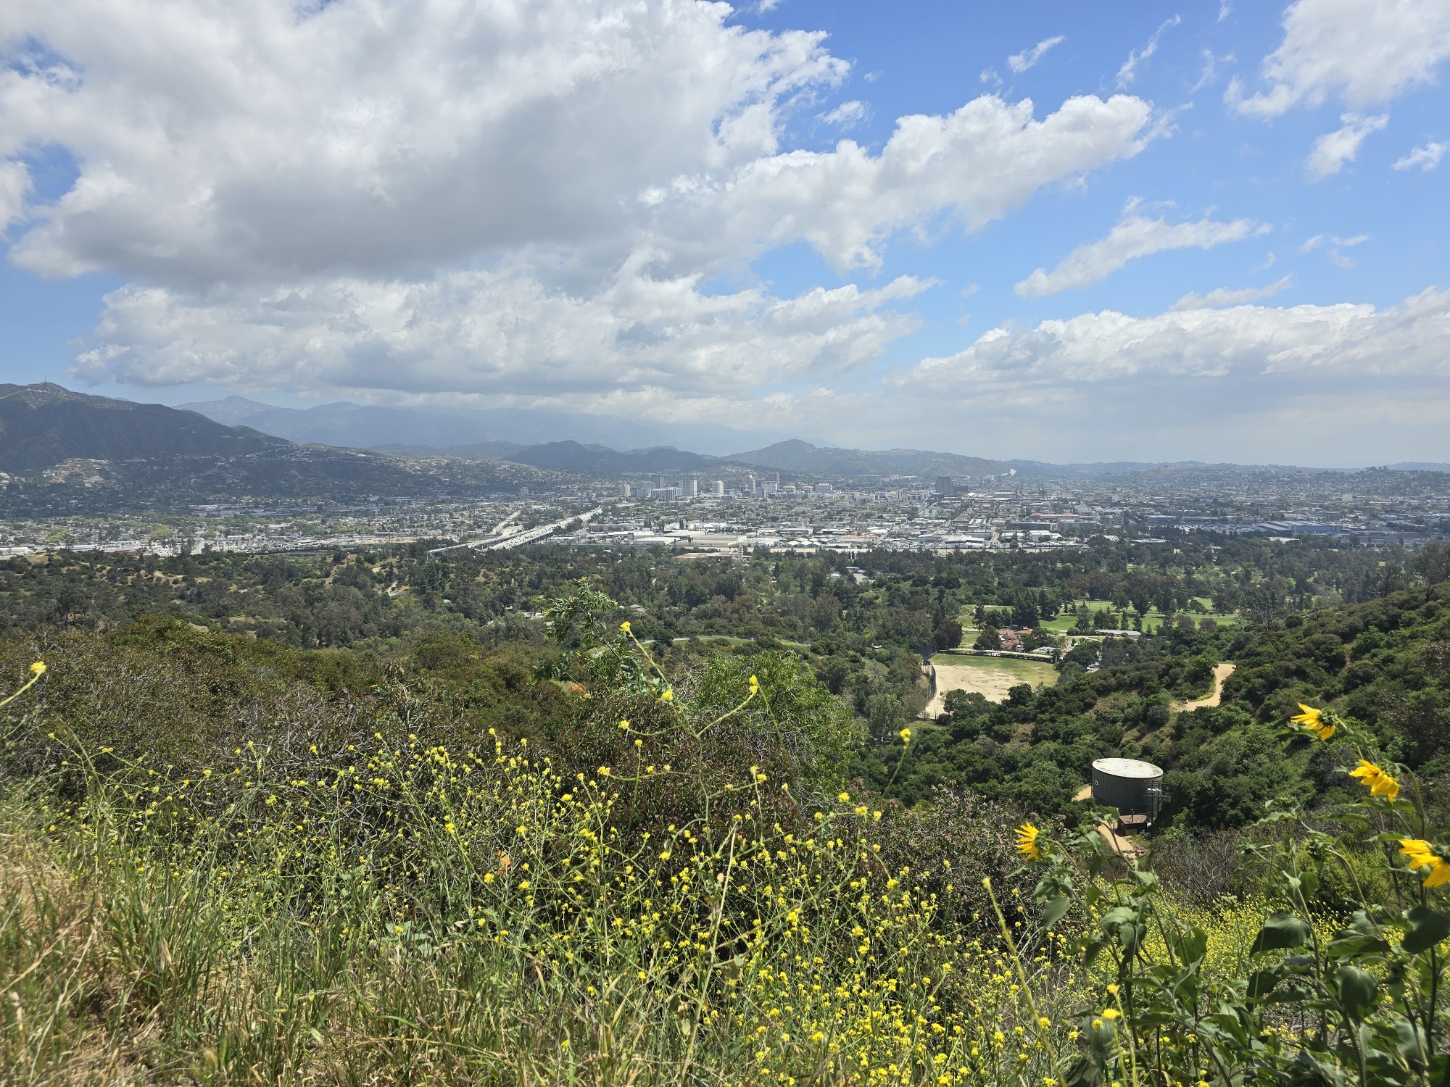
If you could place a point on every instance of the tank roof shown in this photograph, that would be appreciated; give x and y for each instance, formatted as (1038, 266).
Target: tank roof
(1127, 768)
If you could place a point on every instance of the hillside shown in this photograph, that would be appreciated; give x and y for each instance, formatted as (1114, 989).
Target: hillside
(44, 425)
(71, 452)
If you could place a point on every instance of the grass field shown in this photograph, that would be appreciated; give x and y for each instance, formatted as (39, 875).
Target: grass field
(991, 676)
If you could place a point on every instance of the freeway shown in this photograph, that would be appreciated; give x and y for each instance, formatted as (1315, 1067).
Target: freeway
(518, 539)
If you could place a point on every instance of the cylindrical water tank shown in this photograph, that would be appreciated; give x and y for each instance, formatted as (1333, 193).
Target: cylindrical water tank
(1131, 786)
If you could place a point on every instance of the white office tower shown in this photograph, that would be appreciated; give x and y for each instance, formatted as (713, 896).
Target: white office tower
(692, 487)
(625, 492)
(719, 488)
(750, 486)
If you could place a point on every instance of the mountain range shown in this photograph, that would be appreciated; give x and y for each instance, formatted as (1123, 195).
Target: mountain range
(46, 424)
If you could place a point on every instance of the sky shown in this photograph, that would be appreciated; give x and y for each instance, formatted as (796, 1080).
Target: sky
(1066, 231)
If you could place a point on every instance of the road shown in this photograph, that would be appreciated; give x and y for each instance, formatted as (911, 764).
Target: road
(518, 539)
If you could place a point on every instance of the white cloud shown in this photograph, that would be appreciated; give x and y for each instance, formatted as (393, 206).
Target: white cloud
(1426, 158)
(498, 334)
(1225, 296)
(1333, 239)
(1132, 237)
(1334, 245)
(1020, 62)
(1209, 72)
(484, 196)
(1366, 51)
(979, 163)
(846, 115)
(1129, 71)
(1310, 383)
(14, 188)
(219, 142)
(1333, 149)
(1350, 341)
(1345, 385)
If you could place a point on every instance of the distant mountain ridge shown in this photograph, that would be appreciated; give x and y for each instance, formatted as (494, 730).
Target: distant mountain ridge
(799, 456)
(599, 460)
(383, 427)
(45, 424)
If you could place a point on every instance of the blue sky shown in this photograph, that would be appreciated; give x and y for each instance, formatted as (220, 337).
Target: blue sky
(1148, 231)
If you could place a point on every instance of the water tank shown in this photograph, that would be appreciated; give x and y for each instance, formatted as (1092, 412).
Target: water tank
(1133, 787)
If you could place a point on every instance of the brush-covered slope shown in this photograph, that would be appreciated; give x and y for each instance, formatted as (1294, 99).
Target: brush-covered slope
(44, 425)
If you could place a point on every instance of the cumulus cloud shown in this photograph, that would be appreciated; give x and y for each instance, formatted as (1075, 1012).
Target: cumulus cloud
(1365, 51)
(1336, 378)
(1129, 71)
(472, 195)
(1350, 341)
(978, 163)
(1424, 158)
(497, 333)
(219, 142)
(1133, 237)
(1020, 62)
(1333, 149)
(1347, 385)
(1226, 296)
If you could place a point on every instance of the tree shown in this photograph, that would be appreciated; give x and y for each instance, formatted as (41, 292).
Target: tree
(989, 639)
(948, 634)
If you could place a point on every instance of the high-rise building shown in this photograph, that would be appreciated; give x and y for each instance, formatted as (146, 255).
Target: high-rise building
(690, 487)
(719, 488)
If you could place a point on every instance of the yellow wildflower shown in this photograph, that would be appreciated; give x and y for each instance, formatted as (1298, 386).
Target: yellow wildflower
(1313, 720)
(668, 696)
(38, 668)
(905, 735)
(1027, 842)
(754, 684)
(1421, 854)
(624, 626)
(1376, 780)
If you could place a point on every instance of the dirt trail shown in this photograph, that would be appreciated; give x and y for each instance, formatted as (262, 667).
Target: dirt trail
(1221, 672)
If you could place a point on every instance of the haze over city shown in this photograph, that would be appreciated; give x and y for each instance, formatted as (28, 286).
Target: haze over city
(1064, 231)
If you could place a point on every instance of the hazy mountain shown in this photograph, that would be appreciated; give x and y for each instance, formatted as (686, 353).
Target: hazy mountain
(799, 456)
(599, 460)
(43, 425)
(476, 451)
(433, 431)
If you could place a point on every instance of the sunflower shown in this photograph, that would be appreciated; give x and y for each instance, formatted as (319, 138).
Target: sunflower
(1376, 780)
(1313, 720)
(1421, 854)
(1027, 836)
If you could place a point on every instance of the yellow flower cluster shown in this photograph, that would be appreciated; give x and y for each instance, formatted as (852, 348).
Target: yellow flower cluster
(777, 951)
